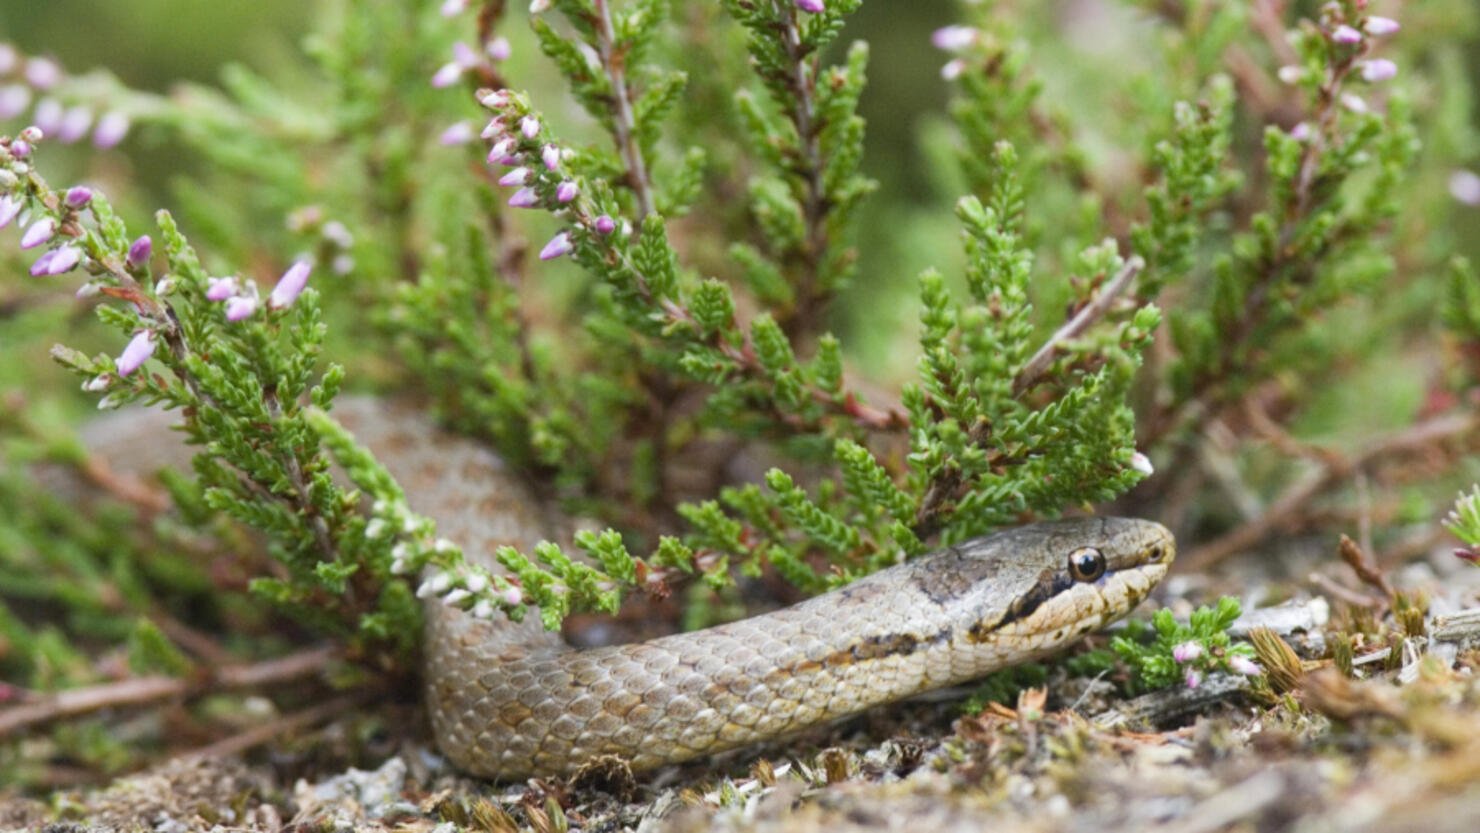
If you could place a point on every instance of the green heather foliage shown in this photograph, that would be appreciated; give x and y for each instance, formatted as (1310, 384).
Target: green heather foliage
(707, 362)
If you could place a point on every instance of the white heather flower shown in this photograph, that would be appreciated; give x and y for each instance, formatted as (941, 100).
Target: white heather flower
(459, 133)
(1353, 102)
(240, 307)
(1187, 652)
(1141, 463)
(498, 49)
(10, 208)
(290, 285)
(434, 586)
(1380, 26)
(952, 69)
(482, 610)
(14, 99)
(453, 8)
(444, 546)
(75, 123)
(1463, 186)
(538, 6)
(513, 596)
(476, 583)
(138, 351)
(455, 597)
(376, 528)
(43, 73)
(98, 383)
(518, 176)
(1244, 665)
(494, 127)
(953, 38)
(1378, 69)
(111, 129)
(1291, 73)
(496, 99)
(447, 75)
(464, 56)
(559, 245)
(219, 289)
(38, 233)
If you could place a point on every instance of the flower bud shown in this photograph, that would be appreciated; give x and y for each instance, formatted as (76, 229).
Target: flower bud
(139, 349)
(139, 252)
(78, 196)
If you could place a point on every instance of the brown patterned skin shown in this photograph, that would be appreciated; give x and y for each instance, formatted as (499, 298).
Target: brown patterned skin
(510, 700)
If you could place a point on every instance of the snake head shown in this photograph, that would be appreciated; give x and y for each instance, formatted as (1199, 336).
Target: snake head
(1047, 584)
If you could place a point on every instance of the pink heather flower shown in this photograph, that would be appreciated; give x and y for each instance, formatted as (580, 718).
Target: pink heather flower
(111, 129)
(136, 353)
(75, 123)
(813, 6)
(1244, 665)
(953, 38)
(78, 196)
(10, 207)
(498, 49)
(240, 307)
(39, 232)
(139, 251)
(1463, 186)
(559, 245)
(509, 161)
(219, 289)
(605, 225)
(1378, 69)
(458, 134)
(502, 148)
(1380, 26)
(524, 198)
(1346, 34)
(1300, 132)
(952, 69)
(495, 99)
(48, 115)
(1193, 678)
(464, 56)
(9, 58)
(518, 176)
(290, 285)
(529, 126)
(63, 259)
(1467, 555)
(513, 595)
(43, 73)
(20, 148)
(447, 75)
(1187, 652)
(453, 8)
(550, 155)
(566, 191)
(14, 99)
(494, 127)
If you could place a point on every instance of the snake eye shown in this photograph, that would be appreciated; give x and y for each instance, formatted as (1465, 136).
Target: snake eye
(1155, 554)
(1086, 564)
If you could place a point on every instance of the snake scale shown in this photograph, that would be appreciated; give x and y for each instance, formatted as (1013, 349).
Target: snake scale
(509, 700)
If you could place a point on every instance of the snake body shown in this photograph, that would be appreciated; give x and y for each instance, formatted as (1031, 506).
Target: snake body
(509, 699)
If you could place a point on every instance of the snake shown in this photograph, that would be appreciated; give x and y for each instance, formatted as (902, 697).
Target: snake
(510, 699)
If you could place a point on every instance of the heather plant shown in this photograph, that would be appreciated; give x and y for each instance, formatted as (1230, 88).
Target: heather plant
(652, 255)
